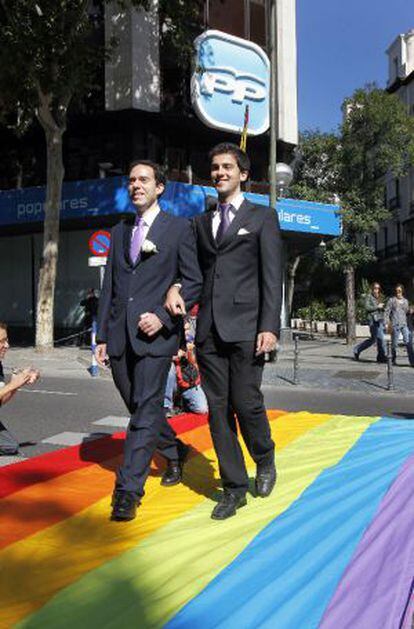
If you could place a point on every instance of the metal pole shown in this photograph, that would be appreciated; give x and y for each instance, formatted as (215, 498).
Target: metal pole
(390, 370)
(93, 369)
(101, 276)
(296, 361)
(273, 101)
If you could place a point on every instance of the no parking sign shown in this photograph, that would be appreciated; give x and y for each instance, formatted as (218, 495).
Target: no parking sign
(99, 243)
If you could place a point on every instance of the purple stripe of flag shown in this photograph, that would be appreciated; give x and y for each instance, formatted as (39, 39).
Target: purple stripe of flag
(378, 583)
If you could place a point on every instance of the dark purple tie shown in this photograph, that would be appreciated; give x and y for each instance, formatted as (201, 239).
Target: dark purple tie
(225, 209)
(137, 239)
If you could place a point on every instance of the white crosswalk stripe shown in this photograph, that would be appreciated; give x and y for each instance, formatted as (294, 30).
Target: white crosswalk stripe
(9, 460)
(71, 438)
(113, 420)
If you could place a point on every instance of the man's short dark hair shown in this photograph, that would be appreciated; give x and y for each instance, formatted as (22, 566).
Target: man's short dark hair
(3, 326)
(159, 174)
(242, 159)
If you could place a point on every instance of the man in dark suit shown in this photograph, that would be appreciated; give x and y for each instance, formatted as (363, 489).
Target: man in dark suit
(138, 334)
(239, 250)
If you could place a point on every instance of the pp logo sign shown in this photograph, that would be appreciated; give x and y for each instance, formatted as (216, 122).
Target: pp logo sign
(240, 87)
(231, 73)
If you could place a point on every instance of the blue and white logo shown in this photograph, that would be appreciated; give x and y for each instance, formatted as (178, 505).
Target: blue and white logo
(229, 74)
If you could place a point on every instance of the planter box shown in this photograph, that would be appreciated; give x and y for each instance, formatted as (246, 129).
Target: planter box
(361, 330)
(331, 328)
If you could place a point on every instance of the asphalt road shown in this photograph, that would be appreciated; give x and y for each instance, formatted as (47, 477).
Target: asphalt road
(56, 405)
(72, 404)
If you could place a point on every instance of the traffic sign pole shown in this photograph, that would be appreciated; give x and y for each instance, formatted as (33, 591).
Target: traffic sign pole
(99, 244)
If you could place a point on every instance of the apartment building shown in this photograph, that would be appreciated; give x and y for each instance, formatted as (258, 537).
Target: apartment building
(141, 106)
(394, 242)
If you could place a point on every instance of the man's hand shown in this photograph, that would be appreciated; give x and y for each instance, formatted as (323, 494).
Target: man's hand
(20, 378)
(266, 342)
(33, 375)
(149, 323)
(174, 303)
(101, 355)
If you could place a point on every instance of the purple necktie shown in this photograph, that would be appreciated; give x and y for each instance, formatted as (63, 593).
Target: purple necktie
(137, 239)
(225, 220)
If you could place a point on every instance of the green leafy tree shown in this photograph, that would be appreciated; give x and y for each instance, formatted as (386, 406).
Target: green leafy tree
(317, 169)
(316, 179)
(49, 57)
(376, 138)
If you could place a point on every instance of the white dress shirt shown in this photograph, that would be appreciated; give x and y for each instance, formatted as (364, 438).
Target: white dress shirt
(236, 203)
(148, 217)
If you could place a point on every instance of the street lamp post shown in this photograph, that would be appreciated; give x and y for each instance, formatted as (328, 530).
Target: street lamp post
(273, 100)
(280, 175)
(283, 177)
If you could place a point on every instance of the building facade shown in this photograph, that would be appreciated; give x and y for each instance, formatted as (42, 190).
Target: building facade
(142, 109)
(141, 106)
(394, 241)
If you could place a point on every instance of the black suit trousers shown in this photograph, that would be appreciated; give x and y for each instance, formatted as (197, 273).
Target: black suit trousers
(231, 378)
(141, 382)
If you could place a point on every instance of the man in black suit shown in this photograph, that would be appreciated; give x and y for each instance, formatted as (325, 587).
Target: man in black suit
(239, 250)
(138, 334)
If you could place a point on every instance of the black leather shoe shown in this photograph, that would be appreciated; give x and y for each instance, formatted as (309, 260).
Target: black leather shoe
(228, 505)
(265, 481)
(173, 475)
(124, 505)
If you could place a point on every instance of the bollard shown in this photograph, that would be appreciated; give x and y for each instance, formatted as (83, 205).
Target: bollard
(296, 360)
(390, 370)
(93, 368)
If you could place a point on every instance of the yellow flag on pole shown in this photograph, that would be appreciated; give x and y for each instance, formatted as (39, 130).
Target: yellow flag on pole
(243, 139)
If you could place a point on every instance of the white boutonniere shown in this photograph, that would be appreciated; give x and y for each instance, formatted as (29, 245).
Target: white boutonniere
(149, 247)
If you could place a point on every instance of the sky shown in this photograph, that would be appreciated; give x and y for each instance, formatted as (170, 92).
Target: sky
(341, 47)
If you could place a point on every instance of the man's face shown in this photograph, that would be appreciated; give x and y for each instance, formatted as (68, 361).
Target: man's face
(226, 175)
(376, 290)
(142, 187)
(4, 343)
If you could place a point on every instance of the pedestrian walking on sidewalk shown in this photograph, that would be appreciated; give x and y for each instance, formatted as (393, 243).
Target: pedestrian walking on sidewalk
(375, 306)
(395, 314)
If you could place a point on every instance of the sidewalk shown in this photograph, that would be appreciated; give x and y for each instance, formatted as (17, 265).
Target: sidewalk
(61, 362)
(328, 364)
(324, 364)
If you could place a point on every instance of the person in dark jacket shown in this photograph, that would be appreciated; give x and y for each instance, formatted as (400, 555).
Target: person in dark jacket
(374, 306)
(136, 332)
(239, 248)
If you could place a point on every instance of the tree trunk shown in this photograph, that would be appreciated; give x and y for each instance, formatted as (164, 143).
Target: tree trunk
(48, 268)
(292, 268)
(350, 305)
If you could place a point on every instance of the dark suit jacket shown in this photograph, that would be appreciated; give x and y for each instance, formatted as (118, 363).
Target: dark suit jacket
(242, 275)
(130, 290)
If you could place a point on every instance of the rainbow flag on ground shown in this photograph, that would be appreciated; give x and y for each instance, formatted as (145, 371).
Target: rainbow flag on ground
(332, 547)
